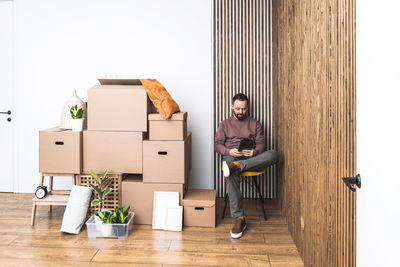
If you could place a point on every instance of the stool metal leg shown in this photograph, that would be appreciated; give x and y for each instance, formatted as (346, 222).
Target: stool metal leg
(260, 196)
(226, 203)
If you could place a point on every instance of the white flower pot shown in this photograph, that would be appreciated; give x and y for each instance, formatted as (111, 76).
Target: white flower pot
(107, 229)
(66, 121)
(77, 125)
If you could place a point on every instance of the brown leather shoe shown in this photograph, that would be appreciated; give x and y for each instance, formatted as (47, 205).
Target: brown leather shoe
(238, 228)
(229, 168)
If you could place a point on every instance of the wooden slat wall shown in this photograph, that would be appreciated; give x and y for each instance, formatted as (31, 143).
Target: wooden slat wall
(314, 72)
(243, 63)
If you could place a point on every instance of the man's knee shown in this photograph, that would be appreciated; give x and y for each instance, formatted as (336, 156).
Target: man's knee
(273, 155)
(228, 158)
(270, 156)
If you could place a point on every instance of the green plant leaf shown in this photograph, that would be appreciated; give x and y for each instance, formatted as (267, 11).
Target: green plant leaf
(105, 173)
(106, 183)
(96, 177)
(102, 216)
(79, 113)
(114, 218)
(106, 192)
(95, 202)
(98, 190)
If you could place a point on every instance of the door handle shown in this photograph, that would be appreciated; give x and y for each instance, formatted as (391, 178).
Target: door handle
(351, 181)
(6, 112)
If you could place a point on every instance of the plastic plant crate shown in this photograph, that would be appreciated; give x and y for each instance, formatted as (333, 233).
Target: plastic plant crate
(109, 230)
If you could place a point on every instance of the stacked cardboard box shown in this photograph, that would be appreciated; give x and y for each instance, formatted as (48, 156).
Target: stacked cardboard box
(166, 165)
(60, 151)
(117, 121)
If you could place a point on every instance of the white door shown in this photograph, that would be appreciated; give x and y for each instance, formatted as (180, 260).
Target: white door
(378, 135)
(7, 148)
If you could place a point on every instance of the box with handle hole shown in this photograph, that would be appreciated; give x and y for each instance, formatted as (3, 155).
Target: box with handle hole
(199, 208)
(167, 161)
(60, 151)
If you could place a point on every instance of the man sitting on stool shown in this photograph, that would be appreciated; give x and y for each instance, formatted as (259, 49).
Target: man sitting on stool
(227, 139)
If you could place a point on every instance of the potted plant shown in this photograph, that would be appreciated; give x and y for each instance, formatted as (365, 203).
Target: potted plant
(77, 120)
(119, 216)
(102, 189)
(114, 224)
(106, 223)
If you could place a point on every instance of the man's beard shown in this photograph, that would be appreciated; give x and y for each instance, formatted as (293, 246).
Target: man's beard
(239, 118)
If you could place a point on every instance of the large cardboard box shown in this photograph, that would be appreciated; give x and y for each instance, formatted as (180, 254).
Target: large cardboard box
(118, 105)
(173, 129)
(167, 161)
(118, 152)
(199, 208)
(60, 151)
(140, 196)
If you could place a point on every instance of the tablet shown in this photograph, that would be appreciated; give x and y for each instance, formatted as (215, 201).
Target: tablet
(246, 143)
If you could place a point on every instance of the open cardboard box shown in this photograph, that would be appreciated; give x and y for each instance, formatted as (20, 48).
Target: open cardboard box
(118, 105)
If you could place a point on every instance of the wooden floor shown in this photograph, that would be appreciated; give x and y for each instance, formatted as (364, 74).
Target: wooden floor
(265, 243)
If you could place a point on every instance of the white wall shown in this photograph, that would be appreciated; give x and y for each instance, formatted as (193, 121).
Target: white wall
(65, 45)
(378, 139)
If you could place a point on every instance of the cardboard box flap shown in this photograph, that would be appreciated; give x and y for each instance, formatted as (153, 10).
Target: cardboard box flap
(120, 81)
(55, 129)
(200, 198)
(179, 116)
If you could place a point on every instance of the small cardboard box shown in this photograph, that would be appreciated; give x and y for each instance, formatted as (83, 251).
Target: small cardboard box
(173, 129)
(117, 105)
(199, 208)
(118, 152)
(60, 151)
(140, 196)
(167, 161)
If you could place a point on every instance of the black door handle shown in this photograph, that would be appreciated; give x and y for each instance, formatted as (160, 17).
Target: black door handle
(6, 112)
(351, 181)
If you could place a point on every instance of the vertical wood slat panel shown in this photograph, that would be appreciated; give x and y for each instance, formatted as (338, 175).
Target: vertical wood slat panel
(314, 74)
(242, 63)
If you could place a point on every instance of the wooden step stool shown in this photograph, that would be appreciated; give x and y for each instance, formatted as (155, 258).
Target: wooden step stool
(54, 197)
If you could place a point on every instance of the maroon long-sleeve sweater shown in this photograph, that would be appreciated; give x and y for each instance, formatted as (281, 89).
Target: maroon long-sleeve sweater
(232, 130)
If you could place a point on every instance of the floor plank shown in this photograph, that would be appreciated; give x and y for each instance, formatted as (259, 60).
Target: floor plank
(51, 263)
(7, 239)
(48, 253)
(171, 257)
(285, 260)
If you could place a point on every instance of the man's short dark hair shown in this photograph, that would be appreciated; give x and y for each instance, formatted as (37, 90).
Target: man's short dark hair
(240, 97)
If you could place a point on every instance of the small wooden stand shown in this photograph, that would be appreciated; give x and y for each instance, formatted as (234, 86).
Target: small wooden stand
(54, 197)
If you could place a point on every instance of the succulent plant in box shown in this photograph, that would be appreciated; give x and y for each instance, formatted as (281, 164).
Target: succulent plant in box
(77, 120)
(120, 215)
